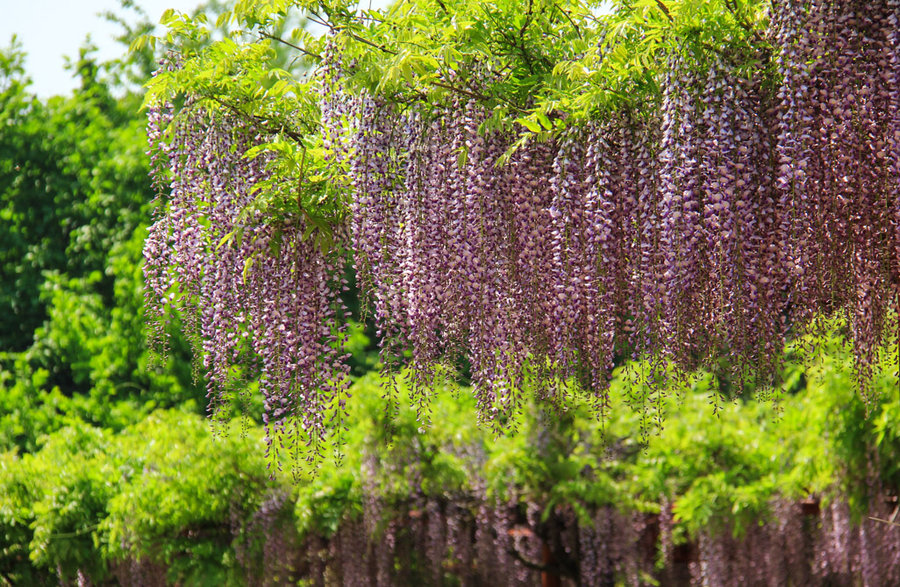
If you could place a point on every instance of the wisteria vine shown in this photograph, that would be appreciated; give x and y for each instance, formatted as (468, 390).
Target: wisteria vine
(722, 220)
(256, 296)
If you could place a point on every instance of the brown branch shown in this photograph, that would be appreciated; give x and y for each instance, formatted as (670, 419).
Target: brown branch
(257, 121)
(732, 7)
(665, 10)
(569, 18)
(289, 44)
(381, 48)
(884, 521)
(527, 21)
(476, 95)
(552, 568)
(462, 91)
(319, 20)
(527, 563)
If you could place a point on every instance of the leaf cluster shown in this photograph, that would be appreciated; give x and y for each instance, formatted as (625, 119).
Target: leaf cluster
(91, 497)
(537, 67)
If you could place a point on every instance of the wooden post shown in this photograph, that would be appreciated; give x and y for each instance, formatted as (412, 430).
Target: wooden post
(548, 578)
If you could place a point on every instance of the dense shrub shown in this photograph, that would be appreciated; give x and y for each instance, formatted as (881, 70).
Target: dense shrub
(715, 495)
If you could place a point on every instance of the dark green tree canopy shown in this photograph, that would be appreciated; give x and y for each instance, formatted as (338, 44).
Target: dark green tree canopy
(68, 193)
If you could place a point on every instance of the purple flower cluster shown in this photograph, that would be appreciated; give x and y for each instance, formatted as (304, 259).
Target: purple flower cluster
(838, 165)
(800, 547)
(719, 224)
(448, 244)
(722, 282)
(253, 295)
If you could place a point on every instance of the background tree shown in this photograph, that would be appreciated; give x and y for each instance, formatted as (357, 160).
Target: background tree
(75, 200)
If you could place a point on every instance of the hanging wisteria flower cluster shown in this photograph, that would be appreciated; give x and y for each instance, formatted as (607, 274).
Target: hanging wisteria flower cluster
(711, 228)
(253, 295)
(838, 147)
(719, 221)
